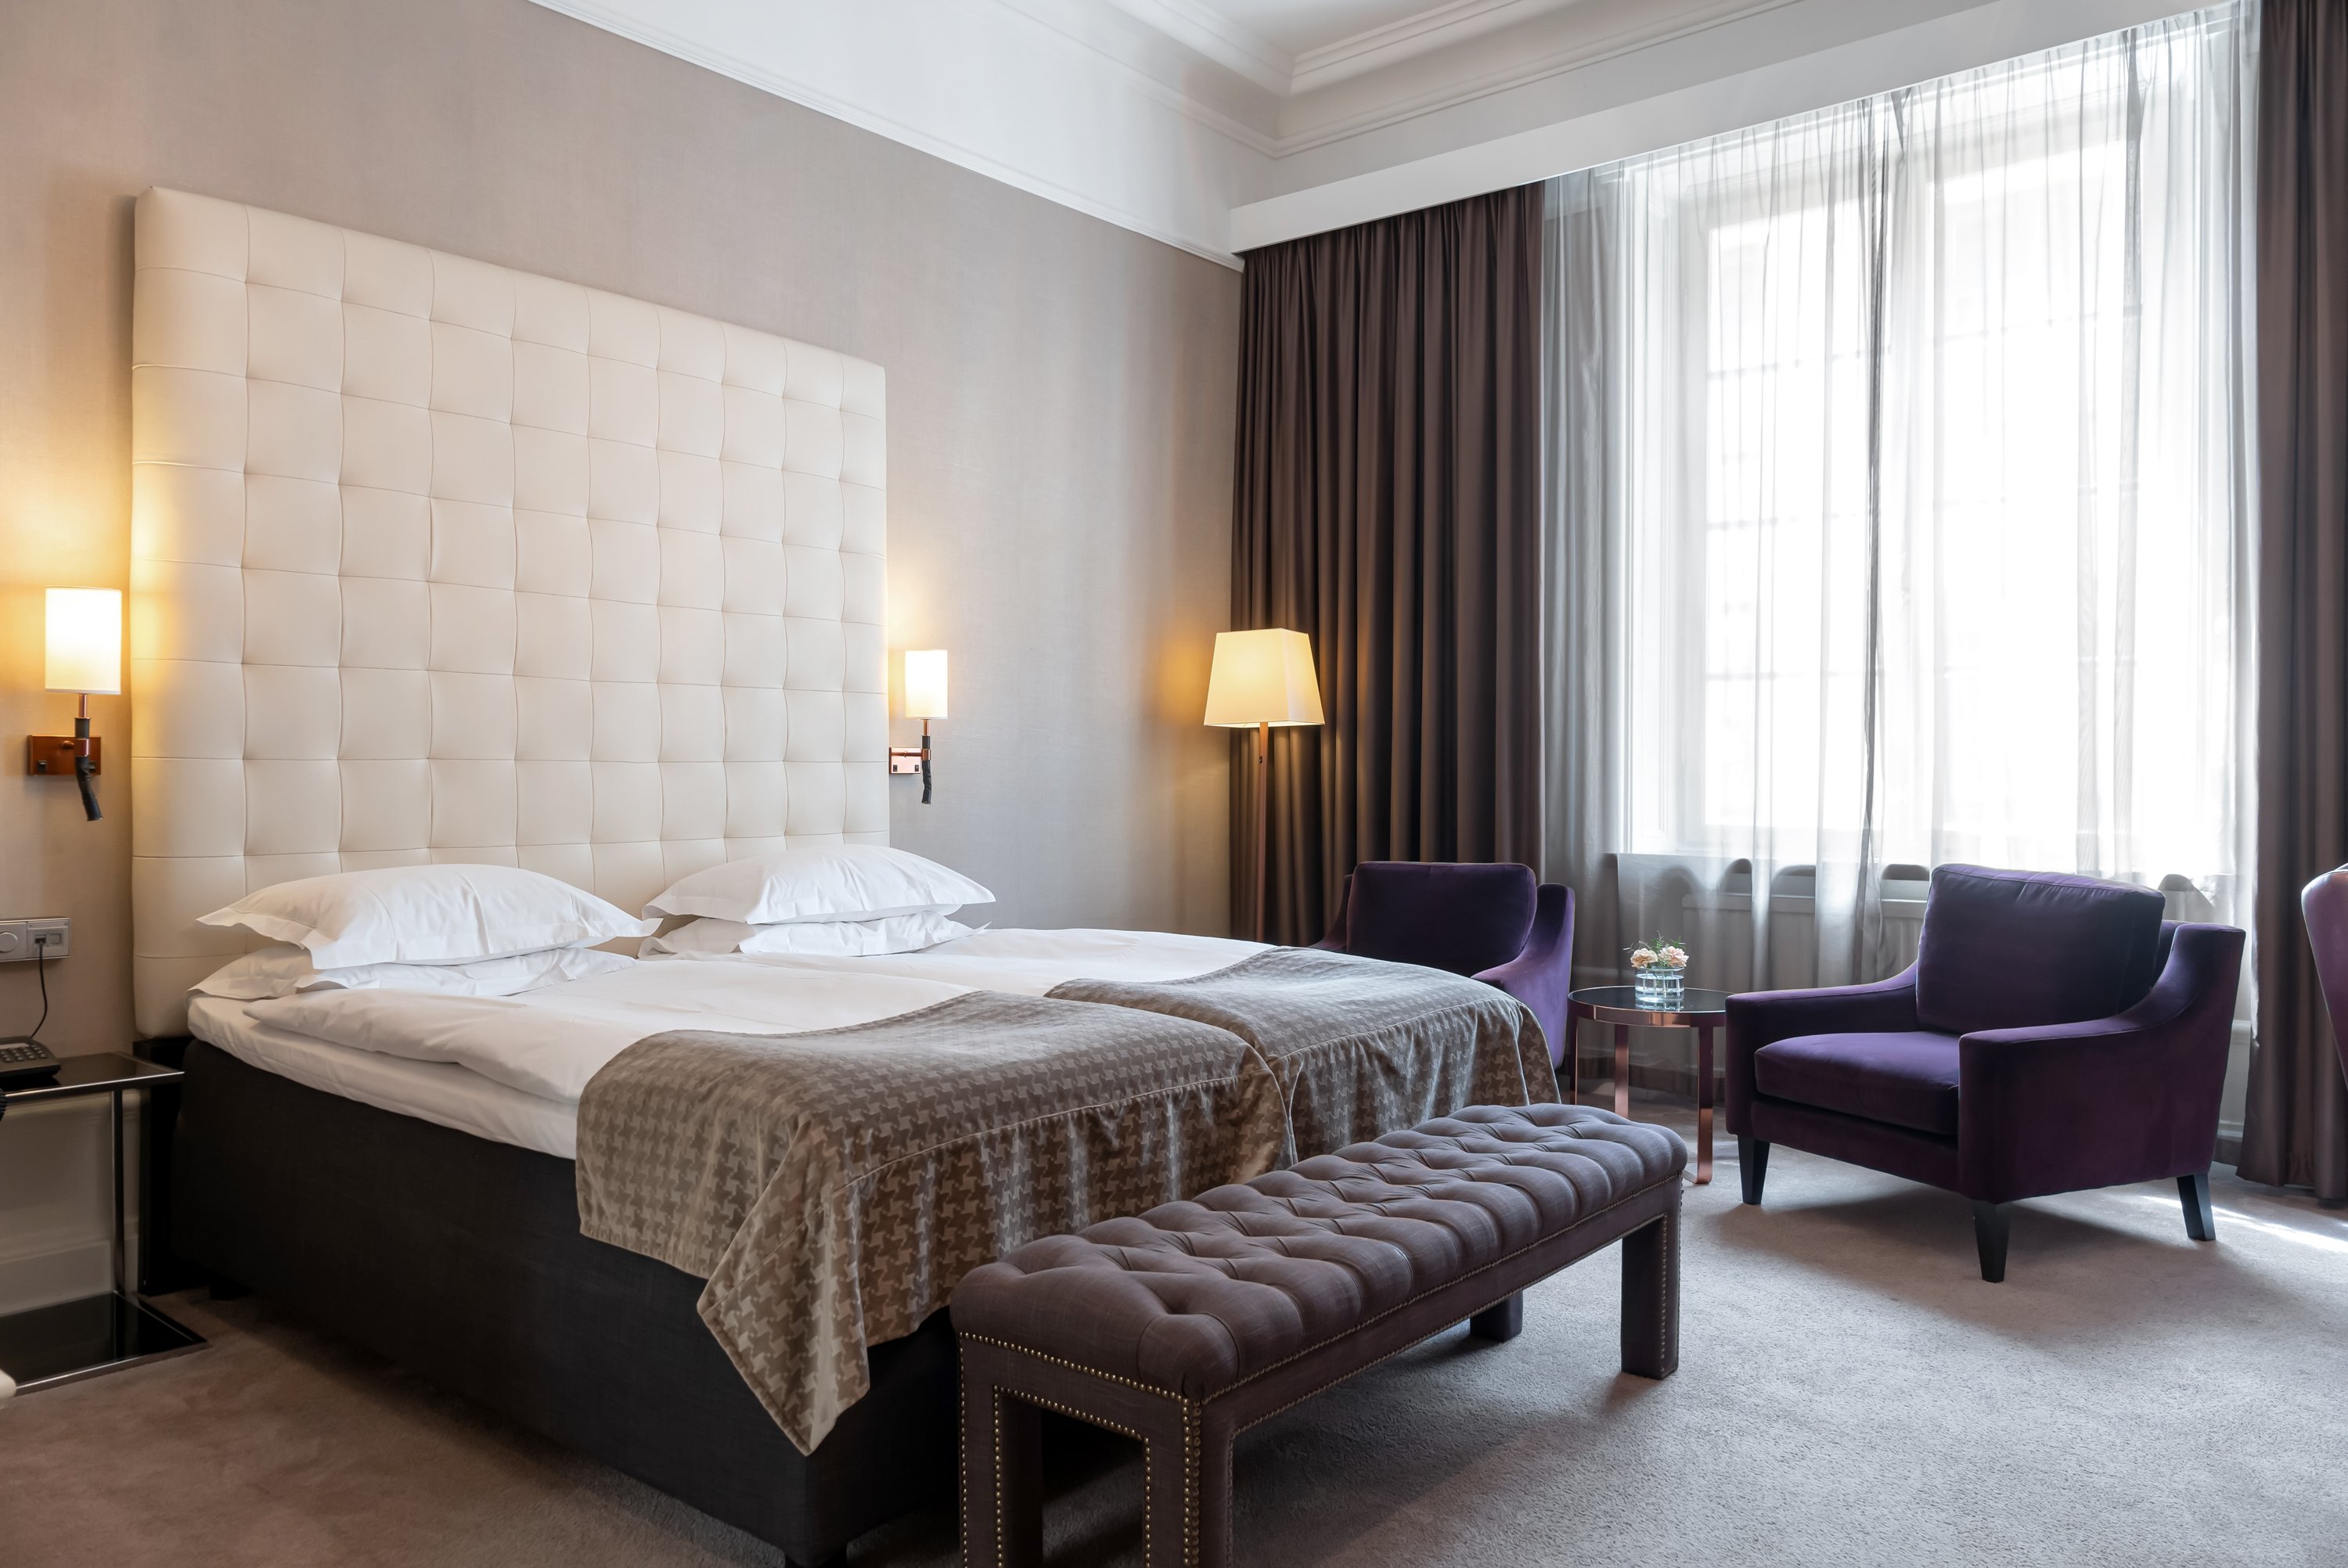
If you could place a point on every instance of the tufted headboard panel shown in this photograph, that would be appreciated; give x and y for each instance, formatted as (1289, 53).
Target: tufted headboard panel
(435, 561)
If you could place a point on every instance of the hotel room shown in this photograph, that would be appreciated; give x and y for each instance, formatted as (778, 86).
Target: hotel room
(963, 781)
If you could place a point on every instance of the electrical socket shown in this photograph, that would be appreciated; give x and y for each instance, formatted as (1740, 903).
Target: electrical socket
(22, 940)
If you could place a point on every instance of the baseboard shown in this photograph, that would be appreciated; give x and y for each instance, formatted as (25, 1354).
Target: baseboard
(71, 1268)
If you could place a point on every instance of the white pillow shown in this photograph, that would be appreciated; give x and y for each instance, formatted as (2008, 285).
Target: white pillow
(283, 969)
(810, 939)
(428, 914)
(821, 882)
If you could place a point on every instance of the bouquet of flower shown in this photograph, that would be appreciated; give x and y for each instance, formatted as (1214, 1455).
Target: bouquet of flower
(1661, 953)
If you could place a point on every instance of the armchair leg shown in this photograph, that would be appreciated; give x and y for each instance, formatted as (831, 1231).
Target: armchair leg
(1992, 1223)
(2201, 1220)
(1752, 1165)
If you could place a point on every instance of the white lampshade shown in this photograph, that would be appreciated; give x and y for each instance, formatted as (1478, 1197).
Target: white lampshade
(925, 683)
(85, 640)
(1262, 678)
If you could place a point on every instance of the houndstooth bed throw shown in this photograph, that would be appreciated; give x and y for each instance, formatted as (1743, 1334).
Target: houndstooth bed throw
(832, 1187)
(1361, 1047)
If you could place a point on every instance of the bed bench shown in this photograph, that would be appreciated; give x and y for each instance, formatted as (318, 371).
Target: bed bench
(1185, 1325)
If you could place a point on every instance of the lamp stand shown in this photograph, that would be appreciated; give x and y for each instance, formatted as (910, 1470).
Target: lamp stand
(1262, 819)
(84, 764)
(925, 762)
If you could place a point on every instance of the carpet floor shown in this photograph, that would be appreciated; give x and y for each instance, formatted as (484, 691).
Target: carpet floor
(1850, 1392)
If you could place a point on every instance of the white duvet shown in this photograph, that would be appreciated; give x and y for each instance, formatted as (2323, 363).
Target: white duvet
(1030, 963)
(528, 1058)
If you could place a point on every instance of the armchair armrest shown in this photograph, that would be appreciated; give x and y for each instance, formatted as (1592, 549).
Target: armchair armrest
(1541, 976)
(2128, 1098)
(1757, 1018)
(1333, 940)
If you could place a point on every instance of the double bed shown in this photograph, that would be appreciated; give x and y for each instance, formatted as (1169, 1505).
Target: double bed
(439, 562)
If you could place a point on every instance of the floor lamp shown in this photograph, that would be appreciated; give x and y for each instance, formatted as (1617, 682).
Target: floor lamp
(1262, 679)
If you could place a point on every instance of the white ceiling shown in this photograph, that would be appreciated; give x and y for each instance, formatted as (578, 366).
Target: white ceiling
(1219, 125)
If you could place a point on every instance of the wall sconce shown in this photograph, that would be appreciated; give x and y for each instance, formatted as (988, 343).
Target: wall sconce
(925, 699)
(85, 656)
(1260, 679)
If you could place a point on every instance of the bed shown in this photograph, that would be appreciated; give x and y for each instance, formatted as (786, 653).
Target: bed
(436, 561)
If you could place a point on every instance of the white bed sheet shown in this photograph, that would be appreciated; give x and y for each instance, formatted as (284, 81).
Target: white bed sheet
(1028, 962)
(512, 1068)
(437, 1091)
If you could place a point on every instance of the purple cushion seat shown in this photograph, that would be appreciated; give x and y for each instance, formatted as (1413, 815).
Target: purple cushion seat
(2023, 949)
(1463, 918)
(1908, 1077)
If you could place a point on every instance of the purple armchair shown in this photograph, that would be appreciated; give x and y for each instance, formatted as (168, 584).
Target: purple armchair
(1490, 922)
(2054, 1033)
(2323, 903)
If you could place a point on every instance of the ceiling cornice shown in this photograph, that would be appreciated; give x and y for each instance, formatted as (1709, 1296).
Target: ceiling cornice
(1422, 33)
(1683, 21)
(1173, 119)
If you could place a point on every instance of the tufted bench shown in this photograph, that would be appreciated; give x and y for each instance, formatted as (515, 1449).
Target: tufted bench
(1186, 1325)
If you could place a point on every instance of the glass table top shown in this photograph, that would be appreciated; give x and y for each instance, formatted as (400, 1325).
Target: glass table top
(1695, 1002)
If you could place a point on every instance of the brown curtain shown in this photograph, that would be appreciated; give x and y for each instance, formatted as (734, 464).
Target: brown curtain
(2296, 1131)
(1387, 505)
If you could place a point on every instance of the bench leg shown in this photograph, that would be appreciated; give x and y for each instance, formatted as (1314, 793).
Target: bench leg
(1501, 1322)
(1001, 1472)
(1189, 1511)
(1650, 1297)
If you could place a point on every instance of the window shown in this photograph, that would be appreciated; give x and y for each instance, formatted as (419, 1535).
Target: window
(1899, 490)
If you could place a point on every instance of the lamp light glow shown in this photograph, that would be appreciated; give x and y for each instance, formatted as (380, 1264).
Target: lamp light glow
(1262, 678)
(925, 683)
(85, 640)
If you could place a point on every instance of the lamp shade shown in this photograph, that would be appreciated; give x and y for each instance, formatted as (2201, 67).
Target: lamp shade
(1262, 678)
(85, 640)
(925, 683)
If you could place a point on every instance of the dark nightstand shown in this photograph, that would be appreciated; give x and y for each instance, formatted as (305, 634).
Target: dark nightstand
(76, 1339)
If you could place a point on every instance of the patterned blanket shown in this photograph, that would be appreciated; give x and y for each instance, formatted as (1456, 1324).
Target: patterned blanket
(832, 1187)
(1360, 1047)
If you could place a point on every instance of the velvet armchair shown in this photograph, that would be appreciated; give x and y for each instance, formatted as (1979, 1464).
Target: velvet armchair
(2054, 1033)
(2323, 904)
(1494, 923)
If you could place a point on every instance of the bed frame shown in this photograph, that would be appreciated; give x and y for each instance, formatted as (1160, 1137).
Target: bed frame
(461, 1259)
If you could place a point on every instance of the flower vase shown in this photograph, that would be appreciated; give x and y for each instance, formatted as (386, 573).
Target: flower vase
(1657, 989)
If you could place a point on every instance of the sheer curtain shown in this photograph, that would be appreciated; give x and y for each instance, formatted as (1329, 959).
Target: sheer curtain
(1898, 510)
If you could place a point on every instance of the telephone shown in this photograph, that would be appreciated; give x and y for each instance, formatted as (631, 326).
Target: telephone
(23, 1060)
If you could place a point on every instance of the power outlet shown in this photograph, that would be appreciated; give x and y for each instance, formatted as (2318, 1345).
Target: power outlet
(22, 940)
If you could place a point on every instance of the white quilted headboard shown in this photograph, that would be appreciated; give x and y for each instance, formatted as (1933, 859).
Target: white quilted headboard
(434, 560)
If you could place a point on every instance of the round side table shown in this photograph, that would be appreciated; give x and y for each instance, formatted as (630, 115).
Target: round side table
(1617, 1006)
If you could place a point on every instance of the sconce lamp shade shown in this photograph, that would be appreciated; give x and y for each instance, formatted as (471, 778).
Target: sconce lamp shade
(1262, 678)
(85, 640)
(925, 683)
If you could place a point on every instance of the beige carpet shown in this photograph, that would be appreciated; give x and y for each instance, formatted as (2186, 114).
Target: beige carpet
(1850, 1392)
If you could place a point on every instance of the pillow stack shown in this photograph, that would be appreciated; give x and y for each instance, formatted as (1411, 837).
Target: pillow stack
(833, 901)
(468, 930)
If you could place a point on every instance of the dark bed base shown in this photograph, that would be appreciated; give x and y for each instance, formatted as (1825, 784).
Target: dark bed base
(461, 1260)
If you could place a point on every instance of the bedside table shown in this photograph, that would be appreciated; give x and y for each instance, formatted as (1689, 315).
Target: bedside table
(75, 1339)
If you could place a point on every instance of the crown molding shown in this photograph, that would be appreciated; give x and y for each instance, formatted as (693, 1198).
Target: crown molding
(1687, 22)
(1196, 226)
(1219, 38)
(1170, 119)
(1422, 33)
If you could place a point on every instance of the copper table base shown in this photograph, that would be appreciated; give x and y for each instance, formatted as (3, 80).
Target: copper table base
(1615, 1007)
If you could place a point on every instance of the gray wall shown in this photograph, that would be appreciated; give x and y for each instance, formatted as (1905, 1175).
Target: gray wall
(1060, 396)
